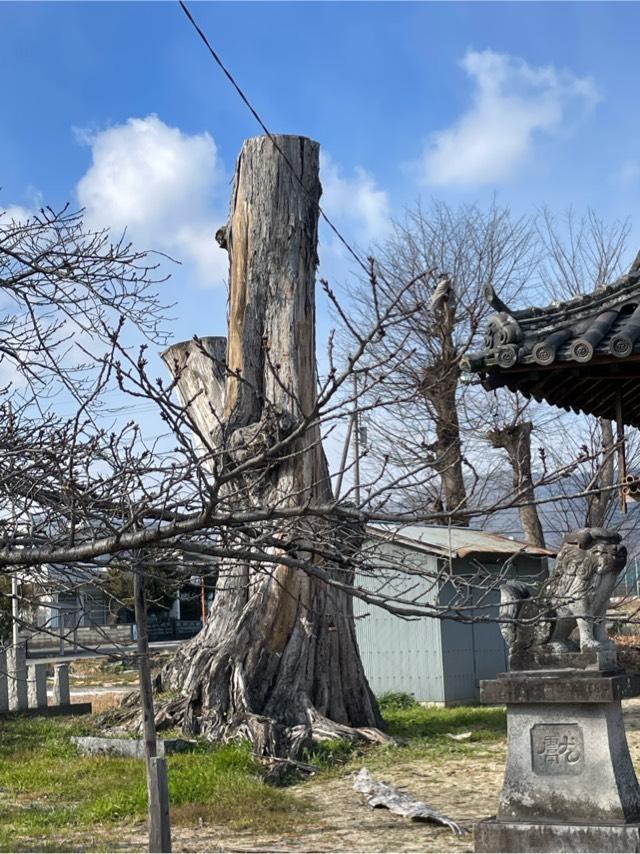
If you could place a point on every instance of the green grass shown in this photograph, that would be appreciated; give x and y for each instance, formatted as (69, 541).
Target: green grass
(48, 791)
(407, 719)
(420, 733)
(48, 788)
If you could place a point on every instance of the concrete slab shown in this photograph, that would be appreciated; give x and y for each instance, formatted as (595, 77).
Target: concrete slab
(499, 836)
(4, 682)
(17, 678)
(37, 675)
(61, 693)
(131, 747)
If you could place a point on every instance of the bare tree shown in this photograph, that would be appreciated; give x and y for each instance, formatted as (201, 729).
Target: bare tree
(240, 475)
(468, 253)
(515, 439)
(581, 254)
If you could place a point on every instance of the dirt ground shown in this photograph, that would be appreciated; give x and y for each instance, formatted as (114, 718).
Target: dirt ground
(339, 821)
(465, 788)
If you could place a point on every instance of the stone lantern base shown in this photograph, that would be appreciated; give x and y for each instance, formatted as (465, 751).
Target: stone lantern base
(499, 836)
(569, 781)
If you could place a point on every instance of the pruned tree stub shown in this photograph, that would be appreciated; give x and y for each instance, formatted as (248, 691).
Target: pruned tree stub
(278, 660)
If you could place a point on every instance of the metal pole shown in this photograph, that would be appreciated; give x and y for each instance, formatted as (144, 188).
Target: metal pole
(345, 456)
(61, 628)
(203, 601)
(14, 609)
(620, 440)
(356, 443)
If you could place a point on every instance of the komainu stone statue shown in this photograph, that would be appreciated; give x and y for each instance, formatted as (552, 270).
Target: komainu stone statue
(569, 783)
(563, 625)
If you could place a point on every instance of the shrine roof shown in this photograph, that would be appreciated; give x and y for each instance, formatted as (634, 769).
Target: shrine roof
(581, 355)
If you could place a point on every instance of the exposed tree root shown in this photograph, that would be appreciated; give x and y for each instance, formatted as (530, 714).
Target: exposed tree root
(269, 739)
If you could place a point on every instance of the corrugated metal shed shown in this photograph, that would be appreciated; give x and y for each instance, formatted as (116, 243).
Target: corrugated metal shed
(457, 542)
(402, 655)
(438, 661)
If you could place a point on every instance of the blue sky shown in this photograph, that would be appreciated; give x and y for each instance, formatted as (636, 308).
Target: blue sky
(118, 106)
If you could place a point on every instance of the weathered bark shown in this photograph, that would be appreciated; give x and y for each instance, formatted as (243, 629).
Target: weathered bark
(440, 388)
(278, 660)
(378, 794)
(199, 369)
(447, 453)
(599, 503)
(515, 439)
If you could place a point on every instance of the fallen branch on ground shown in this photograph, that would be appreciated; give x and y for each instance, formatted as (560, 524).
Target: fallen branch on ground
(380, 795)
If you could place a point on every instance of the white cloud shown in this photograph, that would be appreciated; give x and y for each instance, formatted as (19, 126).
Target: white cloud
(359, 206)
(512, 104)
(14, 213)
(629, 172)
(10, 215)
(161, 184)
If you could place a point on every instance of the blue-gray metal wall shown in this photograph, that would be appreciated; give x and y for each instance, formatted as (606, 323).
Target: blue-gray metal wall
(471, 652)
(398, 654)
(438, 661)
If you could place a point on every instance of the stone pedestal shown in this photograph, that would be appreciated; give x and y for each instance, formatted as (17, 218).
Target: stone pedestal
(499, 836)
(17, 678)
(61, 693)
(37, 686)
(569, 781)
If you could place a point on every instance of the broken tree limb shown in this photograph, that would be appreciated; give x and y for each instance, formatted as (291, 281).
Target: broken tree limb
(198, 368)
(380, 795)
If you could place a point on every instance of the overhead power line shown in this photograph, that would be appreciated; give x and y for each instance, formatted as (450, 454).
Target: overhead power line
(257, 117)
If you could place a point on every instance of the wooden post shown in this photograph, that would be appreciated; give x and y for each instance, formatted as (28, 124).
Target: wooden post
(622, 461)
(157, 787)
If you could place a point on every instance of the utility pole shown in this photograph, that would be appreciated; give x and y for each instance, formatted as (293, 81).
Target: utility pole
(15, 613)
(356, 442)
(157, 785)
(345, 456)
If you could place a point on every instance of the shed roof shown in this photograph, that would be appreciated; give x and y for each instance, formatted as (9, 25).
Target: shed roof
(444, 541)
(582, 354)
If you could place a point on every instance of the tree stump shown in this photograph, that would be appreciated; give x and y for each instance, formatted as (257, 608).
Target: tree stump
(278, 660)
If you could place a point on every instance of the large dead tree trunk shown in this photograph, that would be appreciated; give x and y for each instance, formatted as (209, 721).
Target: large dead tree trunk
(446, 452)
(440, 388)
(599, 504)
(278, 660)
(515, 439)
